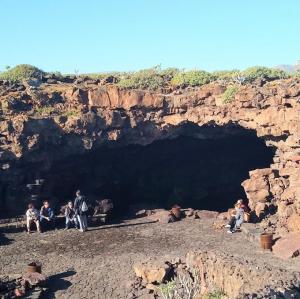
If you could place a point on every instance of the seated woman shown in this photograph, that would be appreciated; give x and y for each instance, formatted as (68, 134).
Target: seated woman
(236, 220)
(32, 216)
(244, 206)
(47, 216)
(70, 216)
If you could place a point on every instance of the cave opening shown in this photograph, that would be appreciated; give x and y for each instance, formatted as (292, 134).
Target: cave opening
(199, 167)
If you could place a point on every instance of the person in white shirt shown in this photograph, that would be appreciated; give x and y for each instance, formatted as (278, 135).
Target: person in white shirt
(32, 216)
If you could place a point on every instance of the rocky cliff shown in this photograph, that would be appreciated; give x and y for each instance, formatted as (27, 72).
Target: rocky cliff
(43, 122)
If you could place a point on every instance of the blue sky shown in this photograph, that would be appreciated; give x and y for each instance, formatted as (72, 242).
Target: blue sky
(97, 36)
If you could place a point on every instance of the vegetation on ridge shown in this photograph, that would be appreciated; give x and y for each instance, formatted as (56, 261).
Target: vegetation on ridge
(156, 77)
(21, 72)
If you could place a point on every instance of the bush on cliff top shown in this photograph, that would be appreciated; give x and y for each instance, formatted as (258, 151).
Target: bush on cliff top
(152, 78)
(21, 72)
(192, 78)
(261, 72)
(228, 76)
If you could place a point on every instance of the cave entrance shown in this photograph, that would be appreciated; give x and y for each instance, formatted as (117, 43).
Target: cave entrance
(199, 167)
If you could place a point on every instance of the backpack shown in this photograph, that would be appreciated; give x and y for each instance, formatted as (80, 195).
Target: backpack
(84, 206)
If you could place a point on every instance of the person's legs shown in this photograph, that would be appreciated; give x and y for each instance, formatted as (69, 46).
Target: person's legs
(52, 223)
(84, 222)
(76, 224)
(68, 222)
(28, 225)
(38, 226)
(238, 224)
(43, 224)
(80, 221)
(232, 223)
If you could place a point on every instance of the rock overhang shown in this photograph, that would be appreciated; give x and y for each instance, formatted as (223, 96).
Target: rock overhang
(88, 116)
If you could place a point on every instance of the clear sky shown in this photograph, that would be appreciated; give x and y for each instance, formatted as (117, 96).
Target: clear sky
(104, 35)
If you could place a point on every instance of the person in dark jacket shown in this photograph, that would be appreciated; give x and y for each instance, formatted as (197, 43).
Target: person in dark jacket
(47, 217)
(71, 218)
(80, 207)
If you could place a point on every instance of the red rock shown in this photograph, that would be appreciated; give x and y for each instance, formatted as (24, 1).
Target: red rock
(293, 223)
(288, 246)
(189, 212)
(223, 216)
(204, 214)
(152, 271)
(162, 216)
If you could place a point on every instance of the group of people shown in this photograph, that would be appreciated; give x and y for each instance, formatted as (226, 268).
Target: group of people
(76, 215)
(44, 219)
(237, 217)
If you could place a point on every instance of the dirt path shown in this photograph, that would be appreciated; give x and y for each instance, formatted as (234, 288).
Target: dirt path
(98, 263)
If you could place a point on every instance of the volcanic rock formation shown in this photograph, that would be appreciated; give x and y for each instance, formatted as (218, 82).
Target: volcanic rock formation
(41, 125)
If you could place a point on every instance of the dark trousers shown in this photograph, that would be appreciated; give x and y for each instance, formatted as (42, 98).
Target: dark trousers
(47, 225)
(232, 223)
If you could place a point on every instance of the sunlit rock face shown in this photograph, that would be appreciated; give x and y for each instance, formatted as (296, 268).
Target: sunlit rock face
(55, 128)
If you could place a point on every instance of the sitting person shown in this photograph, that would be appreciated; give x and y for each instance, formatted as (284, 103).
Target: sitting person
(244, 206)
(236, 220)
(32, 216)
(70, 215)
(47, 216)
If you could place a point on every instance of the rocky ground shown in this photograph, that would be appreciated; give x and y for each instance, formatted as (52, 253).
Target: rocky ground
(99, 263)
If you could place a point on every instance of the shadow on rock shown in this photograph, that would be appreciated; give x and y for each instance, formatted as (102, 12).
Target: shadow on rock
(58, 283)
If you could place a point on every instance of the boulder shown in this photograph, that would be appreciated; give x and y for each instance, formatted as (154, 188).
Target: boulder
(76, 95)
(288, 246)
(103, 206)
(257, 190)
(260, 209)
(188, 212)
(223, 216)
(293, 223)
(204, 214)
(163, 216)
(152, 272)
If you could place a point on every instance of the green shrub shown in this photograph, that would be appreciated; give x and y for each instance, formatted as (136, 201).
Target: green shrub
(296, 74)
(43, 110)
(229, 76)
(192, 78)
(229, 94)
(167, 289)
(144, 79)
(71, 112)
(261, 72)
(215, 295)
(117, 75)
(21, 72)
(169, 73)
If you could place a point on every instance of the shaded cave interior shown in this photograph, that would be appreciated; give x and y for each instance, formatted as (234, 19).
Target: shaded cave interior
(198, 167)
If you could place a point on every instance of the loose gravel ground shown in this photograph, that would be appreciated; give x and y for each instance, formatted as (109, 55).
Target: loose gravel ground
(98, 263)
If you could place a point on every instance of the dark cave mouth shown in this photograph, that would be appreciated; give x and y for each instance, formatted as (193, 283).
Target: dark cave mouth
(202, 169)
